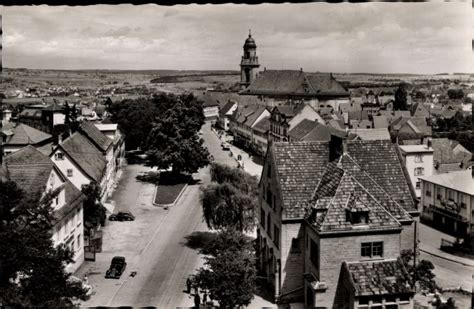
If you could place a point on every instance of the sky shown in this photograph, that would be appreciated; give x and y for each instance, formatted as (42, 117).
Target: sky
(425, 38)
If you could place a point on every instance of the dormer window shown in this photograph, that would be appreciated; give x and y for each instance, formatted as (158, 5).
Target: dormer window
(356, 211)
(59, 156)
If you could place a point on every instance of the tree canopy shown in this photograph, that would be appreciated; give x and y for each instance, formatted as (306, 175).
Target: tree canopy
(229, 274)
(401, 95)
(173, 141)
(32, 270)
(94, 211)
(422, 274)
(231, 200)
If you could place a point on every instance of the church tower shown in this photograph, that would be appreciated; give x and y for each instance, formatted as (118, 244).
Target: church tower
(249, 63)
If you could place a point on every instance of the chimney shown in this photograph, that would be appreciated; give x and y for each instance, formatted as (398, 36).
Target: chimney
(301, 70)
(264, 69)
(428, 143)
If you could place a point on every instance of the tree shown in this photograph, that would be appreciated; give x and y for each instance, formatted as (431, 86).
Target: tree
(232, 201)
(229, 273)
(94, 211)
(401, 95)
(422, 273)
(455, 94)
(173, 141)
(31, 269)
(135, 118)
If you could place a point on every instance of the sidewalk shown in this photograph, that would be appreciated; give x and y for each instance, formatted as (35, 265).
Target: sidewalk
(249, 165)
(430, 240)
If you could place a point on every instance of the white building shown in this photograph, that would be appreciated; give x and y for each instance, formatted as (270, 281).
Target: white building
(35, 173)
(448, 202)
(418, 160)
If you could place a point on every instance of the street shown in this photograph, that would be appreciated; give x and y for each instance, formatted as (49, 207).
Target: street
(155, 244)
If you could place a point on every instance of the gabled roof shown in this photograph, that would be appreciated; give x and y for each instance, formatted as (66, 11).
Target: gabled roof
(443, 153)
(227, 107)
(302, 129)
(93, 133)
(263, 125)
(31, 113)
(26, 135)
(254, 116)
(416, 124)
(380, 160)
(377, 277)
(87, 156)
(323, 132)
(372, 134)
(299, 167)
(244, 111)
(419, 110)
(29, 168)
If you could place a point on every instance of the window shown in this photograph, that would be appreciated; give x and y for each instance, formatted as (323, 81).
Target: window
(59, 156)
(313, 254)
(262, 218)
(371, 249)
(419, 171)
(451, 195)
(69, 172)
(56, 200)
(418, 158)
(269, 198)
(276, 232)
(418, 185)
(269, 225)
(428, 189)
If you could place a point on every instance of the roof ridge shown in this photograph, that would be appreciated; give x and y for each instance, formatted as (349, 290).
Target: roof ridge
(331, 203)
(376, 200)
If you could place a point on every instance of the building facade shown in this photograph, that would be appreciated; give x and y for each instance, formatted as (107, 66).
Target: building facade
(447, 202)
(418, 160)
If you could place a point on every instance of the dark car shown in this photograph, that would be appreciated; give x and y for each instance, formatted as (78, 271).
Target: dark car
(122, 216)
(117, 267)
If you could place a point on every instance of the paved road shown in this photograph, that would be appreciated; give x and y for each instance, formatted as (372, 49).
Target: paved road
(154, 245)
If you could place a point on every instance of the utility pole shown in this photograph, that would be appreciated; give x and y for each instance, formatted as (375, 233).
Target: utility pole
(415, 245)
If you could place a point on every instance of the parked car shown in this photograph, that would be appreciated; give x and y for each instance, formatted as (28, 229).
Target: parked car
(225, 146)
(122, 216)
(117, 267)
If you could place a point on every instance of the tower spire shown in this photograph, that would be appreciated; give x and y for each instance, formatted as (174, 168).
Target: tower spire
(250, 34)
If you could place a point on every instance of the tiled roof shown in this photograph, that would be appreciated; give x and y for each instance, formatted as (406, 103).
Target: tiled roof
(351, 195)
(443, 153)
(97, 137)
(359, 115)
(299, 167)
(263, 125)
(26, 135)
(86, 155)
(302, 129)
(227, 107)
(323, 133)
(380, 160)
(293, 82)
(244, 111)
(374, 189)
(372, 134)
(29, 168)
(378, 277)
(380, 122)
(325, 84)
(254, 116)
(337, 124)
(55, 107)
(419, 110)
(417, 125)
